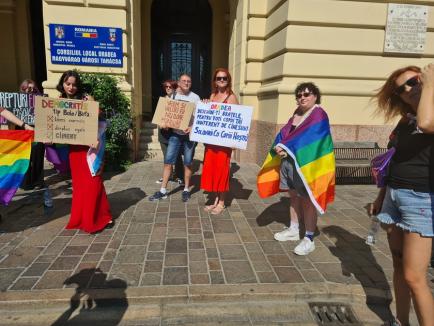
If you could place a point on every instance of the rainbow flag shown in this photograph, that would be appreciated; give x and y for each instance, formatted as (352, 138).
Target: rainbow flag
(311, 147)
(95, 156)
(15, 148)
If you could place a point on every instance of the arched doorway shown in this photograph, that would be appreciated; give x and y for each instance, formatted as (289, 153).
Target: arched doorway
(181, 43)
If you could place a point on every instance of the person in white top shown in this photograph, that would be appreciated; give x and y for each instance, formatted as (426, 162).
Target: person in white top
(179, 140)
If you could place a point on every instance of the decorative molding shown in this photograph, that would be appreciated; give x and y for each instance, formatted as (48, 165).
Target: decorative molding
(7, 7)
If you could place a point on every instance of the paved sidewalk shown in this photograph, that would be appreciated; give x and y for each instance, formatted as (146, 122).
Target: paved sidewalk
(169, 249)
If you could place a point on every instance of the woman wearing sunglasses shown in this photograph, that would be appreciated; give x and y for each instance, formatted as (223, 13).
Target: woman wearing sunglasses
(308, 124)
(217, 160)
(405, 205)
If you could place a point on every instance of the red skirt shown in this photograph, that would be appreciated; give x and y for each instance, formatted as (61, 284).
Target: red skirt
(90, 209)
(216, 168)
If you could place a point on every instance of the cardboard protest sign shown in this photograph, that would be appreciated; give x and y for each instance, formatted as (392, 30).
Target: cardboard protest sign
(222, 124)
(173, 114)
(64, 121)
(20, 104)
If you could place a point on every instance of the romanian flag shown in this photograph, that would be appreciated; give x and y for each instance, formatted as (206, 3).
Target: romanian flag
(86, 35)
(15, 148)
(310, 145)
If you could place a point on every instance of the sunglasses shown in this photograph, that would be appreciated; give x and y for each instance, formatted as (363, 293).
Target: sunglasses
(305, 94)
(168, 86)
(413, 81)
(221, 78)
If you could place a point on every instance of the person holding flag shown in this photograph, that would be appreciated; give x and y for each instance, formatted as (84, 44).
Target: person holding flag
(15, 147)
(301, 161)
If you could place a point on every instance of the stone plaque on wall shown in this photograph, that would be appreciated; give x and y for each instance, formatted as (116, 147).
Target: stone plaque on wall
(406, 28)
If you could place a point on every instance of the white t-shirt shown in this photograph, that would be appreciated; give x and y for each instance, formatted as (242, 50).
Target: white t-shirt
(191, 97)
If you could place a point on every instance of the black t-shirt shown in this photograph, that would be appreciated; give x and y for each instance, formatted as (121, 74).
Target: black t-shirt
(412, 165)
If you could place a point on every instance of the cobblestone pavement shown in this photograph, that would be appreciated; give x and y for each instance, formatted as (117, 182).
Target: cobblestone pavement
(167, 243)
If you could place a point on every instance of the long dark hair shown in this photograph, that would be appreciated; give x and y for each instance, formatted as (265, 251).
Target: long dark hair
(389, 103)
(71, 73)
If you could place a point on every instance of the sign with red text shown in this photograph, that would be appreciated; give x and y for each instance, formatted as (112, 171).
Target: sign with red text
(173, 114)
(222, 124)
(64, 121)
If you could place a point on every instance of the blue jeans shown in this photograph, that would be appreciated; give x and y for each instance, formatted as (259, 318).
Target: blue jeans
(176, 142)
(408, 209)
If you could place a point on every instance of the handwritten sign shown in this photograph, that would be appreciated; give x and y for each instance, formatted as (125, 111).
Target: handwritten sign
(406, 28)
(173, 114)
(20, 104)
(221, 124)
(65, 121)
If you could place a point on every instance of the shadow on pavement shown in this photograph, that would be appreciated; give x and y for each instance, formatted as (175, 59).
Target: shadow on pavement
(89, 308)
(122, 200)
(357, 259)
(236, 188)
(25, 213)
(278, 212)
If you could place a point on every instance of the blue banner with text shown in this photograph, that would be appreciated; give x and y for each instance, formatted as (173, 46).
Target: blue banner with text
(86, 45)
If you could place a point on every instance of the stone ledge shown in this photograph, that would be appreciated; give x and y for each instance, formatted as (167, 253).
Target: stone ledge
(200, 293)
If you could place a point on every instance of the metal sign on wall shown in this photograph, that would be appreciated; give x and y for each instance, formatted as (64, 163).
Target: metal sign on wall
(86, 45)
(406, 28)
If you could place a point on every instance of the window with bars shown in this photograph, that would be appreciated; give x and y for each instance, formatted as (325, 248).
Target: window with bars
(181, 55)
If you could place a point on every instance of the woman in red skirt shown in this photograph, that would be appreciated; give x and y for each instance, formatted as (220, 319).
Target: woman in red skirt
(90, 209)
(217, 160)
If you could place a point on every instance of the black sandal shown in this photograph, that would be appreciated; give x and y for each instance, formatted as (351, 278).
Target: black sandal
(110, 225)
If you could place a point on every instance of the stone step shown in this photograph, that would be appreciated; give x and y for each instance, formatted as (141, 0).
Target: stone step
(149, 132)
(145, 146)
(154, 153)
(150, 148)
(124, 309)
(149, 138)
(151, 155)
(149, 124)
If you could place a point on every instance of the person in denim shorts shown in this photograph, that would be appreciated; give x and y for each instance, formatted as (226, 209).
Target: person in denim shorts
(405, 205)
(179, 139)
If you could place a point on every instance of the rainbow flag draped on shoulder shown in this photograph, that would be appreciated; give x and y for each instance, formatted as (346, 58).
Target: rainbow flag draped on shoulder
(15, 148)
(310, 145)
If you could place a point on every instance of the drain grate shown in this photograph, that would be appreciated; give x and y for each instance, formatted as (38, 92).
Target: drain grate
(333, 314)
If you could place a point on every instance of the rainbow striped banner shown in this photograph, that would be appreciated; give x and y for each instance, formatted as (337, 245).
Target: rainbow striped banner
(311, 147)
(15, 148)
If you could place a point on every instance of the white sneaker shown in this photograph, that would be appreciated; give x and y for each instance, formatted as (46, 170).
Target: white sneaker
(288, 234)
(304, 247)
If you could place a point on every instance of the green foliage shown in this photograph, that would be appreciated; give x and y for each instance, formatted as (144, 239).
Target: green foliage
(116, 107)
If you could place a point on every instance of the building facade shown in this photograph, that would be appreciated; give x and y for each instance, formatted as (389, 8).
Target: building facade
(268, 45)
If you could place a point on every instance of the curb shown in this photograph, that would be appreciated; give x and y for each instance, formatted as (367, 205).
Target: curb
(348, 293)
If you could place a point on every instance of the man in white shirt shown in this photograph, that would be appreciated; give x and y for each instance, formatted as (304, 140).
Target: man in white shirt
(179, 140)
